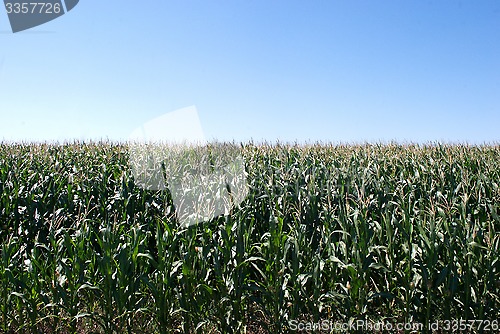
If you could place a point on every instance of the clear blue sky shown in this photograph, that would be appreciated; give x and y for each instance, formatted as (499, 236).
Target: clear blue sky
(331, 70)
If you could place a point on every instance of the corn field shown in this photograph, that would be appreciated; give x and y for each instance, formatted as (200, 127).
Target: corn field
(399, 233)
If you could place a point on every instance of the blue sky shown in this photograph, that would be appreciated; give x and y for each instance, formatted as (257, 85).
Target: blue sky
(337, 70)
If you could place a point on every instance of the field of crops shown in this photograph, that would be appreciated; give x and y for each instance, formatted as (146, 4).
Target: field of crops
(400, 233)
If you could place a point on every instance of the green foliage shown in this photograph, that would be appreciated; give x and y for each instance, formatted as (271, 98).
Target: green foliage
(375, 232)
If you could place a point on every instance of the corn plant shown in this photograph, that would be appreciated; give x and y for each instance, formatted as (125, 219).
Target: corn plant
(400, 233)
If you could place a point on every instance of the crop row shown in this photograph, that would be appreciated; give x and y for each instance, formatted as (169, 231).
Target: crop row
(375, 232)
